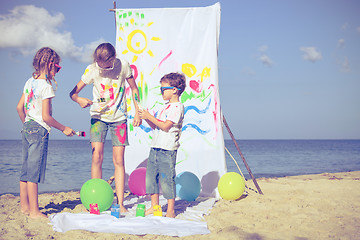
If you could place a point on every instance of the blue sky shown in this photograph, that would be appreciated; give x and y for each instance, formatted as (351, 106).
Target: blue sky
(287, 69)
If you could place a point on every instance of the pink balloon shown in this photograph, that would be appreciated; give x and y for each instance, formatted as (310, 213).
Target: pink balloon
(137, 182)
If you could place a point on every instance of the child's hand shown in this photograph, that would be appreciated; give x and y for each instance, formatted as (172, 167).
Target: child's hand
(84, 102)
(69, 132)
(137, 120)
(143, 114)
(150, 119)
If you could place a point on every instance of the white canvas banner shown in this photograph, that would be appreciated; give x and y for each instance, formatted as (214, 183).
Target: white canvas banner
(163, 40)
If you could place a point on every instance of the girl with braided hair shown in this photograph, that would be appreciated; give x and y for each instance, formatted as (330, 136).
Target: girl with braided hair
(34, 109)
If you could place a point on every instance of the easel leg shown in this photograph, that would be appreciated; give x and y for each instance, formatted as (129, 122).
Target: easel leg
(241, 155)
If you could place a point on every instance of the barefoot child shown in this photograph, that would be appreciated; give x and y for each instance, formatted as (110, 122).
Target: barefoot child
(167, 130)
(34, 109)
(108, 110)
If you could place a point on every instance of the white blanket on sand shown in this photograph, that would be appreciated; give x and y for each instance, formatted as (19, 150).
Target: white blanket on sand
(189, 220)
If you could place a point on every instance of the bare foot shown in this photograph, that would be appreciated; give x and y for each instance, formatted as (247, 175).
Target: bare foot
(25, 211)
(37, 215)
(123, 209)
(149, 211)
(170, 214)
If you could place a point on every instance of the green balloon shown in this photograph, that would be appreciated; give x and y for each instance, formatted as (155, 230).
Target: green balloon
(97, 191)
(231, 186)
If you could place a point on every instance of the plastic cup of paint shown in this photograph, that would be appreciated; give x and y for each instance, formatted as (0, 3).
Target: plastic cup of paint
(140, 210)
(115, 210)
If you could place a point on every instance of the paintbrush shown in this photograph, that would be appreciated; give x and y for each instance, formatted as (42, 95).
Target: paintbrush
(101, 100)
(80, 133)
(140, 108)
(138, 103)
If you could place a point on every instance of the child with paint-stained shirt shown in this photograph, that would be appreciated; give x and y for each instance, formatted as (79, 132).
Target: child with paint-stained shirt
(35, 111)
(108, 110)
(165, 142)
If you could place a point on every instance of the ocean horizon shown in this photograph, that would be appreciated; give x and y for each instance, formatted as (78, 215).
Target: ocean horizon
(69, 161)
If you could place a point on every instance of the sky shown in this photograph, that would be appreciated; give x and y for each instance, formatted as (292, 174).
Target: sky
(287, 69)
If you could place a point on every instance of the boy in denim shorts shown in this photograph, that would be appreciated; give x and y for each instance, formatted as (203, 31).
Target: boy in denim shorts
(167, 130)
(108, 110)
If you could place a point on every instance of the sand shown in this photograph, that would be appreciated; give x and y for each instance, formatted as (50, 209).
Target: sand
(323, 206)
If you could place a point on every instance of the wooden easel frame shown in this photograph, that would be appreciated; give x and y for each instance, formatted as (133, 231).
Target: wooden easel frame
(241, 155)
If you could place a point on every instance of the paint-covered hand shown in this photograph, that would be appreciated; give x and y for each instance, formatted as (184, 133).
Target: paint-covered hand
(84, 102)
(137, 120)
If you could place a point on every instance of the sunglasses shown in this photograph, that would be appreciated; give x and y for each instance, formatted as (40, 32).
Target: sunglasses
(57, 67)
(162, 89)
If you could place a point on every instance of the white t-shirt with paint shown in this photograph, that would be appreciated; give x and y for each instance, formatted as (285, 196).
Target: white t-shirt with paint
(35, 91)
(169, 140)
(109, 100)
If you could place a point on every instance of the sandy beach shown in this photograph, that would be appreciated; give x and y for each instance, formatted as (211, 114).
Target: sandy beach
(322, 206)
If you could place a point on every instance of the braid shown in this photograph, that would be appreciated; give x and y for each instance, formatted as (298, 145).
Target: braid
(36, 62)
(42, 63)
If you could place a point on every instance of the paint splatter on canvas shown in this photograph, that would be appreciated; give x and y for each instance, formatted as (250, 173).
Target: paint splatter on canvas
(160, 41)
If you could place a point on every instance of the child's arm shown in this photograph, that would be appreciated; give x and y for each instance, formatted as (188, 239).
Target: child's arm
(49, 120)
(153, 126)
(154, 122)
(20, 108)
(74, 95)
(135, 97)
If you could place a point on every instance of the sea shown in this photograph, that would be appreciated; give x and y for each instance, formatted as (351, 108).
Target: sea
(69, 161)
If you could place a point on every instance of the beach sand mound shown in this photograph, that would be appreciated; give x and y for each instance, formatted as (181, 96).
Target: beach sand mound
(322, 206)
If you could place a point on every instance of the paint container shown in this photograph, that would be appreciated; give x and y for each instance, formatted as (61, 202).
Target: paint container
(94, 209)
(140, 210)
(115, 210)
(157, 211)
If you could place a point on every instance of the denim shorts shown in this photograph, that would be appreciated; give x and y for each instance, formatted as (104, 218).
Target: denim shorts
(161, 168)
(35, 146)
(118, 131)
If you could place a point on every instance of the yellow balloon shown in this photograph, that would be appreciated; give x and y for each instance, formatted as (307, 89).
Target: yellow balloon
(231, 186)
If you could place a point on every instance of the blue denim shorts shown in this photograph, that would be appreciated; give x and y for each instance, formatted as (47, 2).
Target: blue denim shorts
(161, 168)
(35, 146)
(118, 130)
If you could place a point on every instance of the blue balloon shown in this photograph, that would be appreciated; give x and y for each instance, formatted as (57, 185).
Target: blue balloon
(188, 186)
